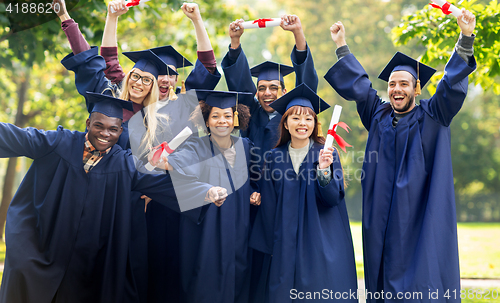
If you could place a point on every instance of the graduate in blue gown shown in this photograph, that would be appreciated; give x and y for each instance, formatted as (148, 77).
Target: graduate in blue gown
(409, 219)
(214, 254)
(302, 225)
(263, 128)
(68, 226)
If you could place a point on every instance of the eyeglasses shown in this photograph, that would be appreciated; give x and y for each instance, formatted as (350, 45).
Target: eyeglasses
(145, 80)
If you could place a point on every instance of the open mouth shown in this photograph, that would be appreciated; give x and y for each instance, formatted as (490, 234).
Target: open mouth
(135, 88)
(268, 101)
(301, 131)
(102, 140)
(163, 89)
(398, 98)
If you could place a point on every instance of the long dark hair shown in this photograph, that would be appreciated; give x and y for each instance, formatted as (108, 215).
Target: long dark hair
(285, 134)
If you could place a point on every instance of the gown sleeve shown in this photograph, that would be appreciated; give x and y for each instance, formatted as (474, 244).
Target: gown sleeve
(451, 90)
(28, 142)
(304, 68)
(331, 194)
(262, 236)
(89, 68)
(350, 81)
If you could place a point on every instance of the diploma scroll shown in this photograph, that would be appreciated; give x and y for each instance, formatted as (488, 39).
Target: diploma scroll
(448, 8)
(335, 120)
(130, 3)
(165, 149)
(260, 23)
(332, 130)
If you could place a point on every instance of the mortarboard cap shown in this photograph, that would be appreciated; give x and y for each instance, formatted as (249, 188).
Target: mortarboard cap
(170, 56)
(402, 62)
(302, 95)
(147, 61)
(271, 71)
(108, 105)
(222, 99)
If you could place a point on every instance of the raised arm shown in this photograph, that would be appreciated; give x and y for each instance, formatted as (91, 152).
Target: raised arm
(350, 80)
(205, 74)
(452, 89)
(109, 36)
(302, 60)
(76, 40)
(235, 64)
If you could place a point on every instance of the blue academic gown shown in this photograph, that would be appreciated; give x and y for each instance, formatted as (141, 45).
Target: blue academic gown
(68, 231)
(303, 228)
(409, 219)
(214, 254)
(262, 131)
(158, 229)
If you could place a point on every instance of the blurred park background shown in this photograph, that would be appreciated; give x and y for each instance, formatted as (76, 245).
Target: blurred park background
(37, 91)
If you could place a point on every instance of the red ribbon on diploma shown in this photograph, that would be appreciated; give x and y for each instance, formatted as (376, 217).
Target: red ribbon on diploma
(133, 3)
(262, 22)
(159, 150)
(340, 141)
(444, 9)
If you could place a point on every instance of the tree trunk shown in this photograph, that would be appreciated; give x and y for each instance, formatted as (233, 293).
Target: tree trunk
(10, 174)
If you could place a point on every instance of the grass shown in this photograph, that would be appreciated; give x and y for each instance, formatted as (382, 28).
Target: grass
(479, 250)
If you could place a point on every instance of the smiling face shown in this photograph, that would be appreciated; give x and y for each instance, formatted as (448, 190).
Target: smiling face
(137, 89)
(165, 81)
(300, 125)
(401, 91)
(103, 131)
(220, 121)
(267, 93)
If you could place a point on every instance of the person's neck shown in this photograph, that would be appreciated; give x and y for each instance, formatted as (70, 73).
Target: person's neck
(222, 142)
(299, 143)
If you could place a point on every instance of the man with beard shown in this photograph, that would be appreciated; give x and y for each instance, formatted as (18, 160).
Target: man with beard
(409, 220)
(67, 231)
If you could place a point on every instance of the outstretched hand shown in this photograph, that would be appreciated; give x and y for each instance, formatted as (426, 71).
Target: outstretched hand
(217, 195)
(337, 32)
(467, 22)
(59, 7)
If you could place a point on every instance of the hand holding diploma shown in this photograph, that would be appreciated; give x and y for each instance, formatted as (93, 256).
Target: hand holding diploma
(158, 156)
(124, 5)
(448, 8)
(332, 130)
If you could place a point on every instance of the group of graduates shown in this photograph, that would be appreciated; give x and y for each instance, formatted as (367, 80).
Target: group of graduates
(258, 217)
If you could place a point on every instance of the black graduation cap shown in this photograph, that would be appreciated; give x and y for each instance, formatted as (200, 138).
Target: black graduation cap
(222, 99)
(170, 56)
(108, 105)
(271, 71)
(402, 62)
(301, 95)
(147, 61)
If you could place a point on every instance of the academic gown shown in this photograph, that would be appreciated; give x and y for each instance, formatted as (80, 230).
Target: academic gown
(409, 218)
(262, 131)
(303, 228)
(214, 255)
(89, 68)
(67, 231)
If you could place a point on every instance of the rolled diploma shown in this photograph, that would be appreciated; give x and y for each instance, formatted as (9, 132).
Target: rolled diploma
(455, 11)
(251, 24)
(127, 1)
(335, 119)
(173, 144)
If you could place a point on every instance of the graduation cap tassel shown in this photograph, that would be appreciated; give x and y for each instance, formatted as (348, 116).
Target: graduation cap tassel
(418, 89)
(183, 89)
(171, 94)
(280, 90)
(320, 130)
(236, 121)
